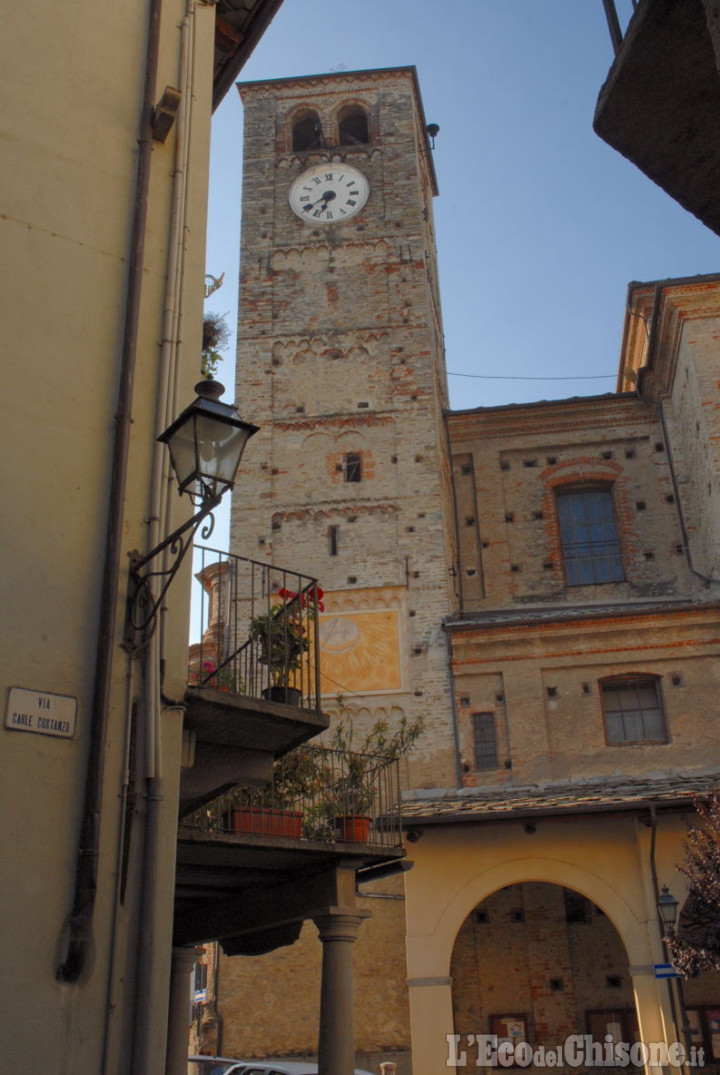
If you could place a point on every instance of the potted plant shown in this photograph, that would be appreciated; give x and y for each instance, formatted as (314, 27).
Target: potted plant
(353, 790)
(222, 678)
(271, 810)
(282, 638)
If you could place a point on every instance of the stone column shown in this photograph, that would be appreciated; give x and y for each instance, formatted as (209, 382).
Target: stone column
(336, 1050)
(431, 1021)
(182, 967)
(652, 1002)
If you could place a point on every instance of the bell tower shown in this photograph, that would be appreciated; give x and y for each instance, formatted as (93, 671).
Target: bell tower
(340, 362)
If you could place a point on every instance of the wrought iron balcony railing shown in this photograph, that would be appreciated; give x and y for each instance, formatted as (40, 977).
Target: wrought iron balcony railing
(316, 795)
(613, 21)
(257, 629)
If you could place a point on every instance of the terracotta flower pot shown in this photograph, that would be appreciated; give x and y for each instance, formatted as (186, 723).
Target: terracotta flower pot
(352, 828)
(267, 822)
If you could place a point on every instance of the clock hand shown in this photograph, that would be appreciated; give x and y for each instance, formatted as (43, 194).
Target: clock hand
(326, 197)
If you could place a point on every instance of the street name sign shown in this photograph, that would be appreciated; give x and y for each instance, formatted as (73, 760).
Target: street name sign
(41, 712)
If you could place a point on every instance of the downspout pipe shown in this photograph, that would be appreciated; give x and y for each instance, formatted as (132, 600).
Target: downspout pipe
(453, 710)
(79, 927)
(656, 893)
(153, 912)
(218, 1013)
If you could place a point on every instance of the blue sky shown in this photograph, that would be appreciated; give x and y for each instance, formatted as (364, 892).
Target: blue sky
(540, 225)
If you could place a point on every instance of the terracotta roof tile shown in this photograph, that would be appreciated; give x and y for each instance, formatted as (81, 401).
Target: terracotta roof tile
(579, 797)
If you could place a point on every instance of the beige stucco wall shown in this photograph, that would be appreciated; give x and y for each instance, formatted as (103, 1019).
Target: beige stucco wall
(73, 80)
(606, 859)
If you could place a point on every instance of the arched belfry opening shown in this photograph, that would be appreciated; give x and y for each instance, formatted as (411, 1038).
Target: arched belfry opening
(537, 963)
(307, 131)
(353, 126)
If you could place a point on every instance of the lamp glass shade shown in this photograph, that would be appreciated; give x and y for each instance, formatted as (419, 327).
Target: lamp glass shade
(206, 444)
(667, 907)
(220, 446)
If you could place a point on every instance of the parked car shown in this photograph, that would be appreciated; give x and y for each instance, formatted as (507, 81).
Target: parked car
(278, 1067)
(220, 1065)
(210, 1065)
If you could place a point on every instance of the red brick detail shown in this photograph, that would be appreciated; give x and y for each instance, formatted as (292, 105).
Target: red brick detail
(334, 464)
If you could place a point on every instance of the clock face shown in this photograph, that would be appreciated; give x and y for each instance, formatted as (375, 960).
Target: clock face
(329, 193)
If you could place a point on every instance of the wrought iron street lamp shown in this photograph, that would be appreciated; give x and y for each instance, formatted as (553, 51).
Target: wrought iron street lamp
(206, 443)
(667, 907)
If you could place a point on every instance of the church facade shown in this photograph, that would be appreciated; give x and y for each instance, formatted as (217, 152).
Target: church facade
(538, 584)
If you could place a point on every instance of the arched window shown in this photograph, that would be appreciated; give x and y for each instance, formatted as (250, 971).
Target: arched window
(352, 126)
(590, 542)
(307, 132)
(632, 709)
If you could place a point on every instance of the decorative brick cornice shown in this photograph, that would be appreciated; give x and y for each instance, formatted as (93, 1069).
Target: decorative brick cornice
(328, 510)
(551, 416)
(344, 421)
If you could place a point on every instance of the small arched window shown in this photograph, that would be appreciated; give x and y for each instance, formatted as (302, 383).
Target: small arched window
(307, 132)
(353, 126)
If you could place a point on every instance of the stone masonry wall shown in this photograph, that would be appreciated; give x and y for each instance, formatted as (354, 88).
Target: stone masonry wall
(553, 972)
(511, 462)
(285, 1023)
(340, 350)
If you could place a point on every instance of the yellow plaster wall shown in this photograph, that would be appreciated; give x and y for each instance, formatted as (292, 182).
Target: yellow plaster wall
(605, 858)
(73, 82)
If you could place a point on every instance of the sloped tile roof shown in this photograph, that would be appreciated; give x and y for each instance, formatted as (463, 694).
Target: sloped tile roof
(513, 617)
(577, 797)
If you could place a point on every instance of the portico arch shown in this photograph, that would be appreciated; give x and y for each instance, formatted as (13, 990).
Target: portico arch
(457, 869)
(543, 963)
(626, 916)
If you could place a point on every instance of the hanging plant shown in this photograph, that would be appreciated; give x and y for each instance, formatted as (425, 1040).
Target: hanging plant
(216, 335)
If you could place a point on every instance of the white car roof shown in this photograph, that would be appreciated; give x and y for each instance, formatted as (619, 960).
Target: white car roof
(285, 1067)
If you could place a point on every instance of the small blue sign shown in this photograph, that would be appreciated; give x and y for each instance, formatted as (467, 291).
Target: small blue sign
(665, 970)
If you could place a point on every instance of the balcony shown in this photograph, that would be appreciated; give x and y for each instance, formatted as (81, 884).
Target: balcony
(660, 105)
(253, 863)
(253, 680)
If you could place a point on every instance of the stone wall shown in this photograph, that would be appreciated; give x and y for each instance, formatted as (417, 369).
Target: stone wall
(283, 1021)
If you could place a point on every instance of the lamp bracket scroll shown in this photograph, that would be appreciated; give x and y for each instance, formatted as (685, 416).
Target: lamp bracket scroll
(143, 604)
(206, 443)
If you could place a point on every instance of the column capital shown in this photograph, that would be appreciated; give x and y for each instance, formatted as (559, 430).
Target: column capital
(184, 958)
(340, 924)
